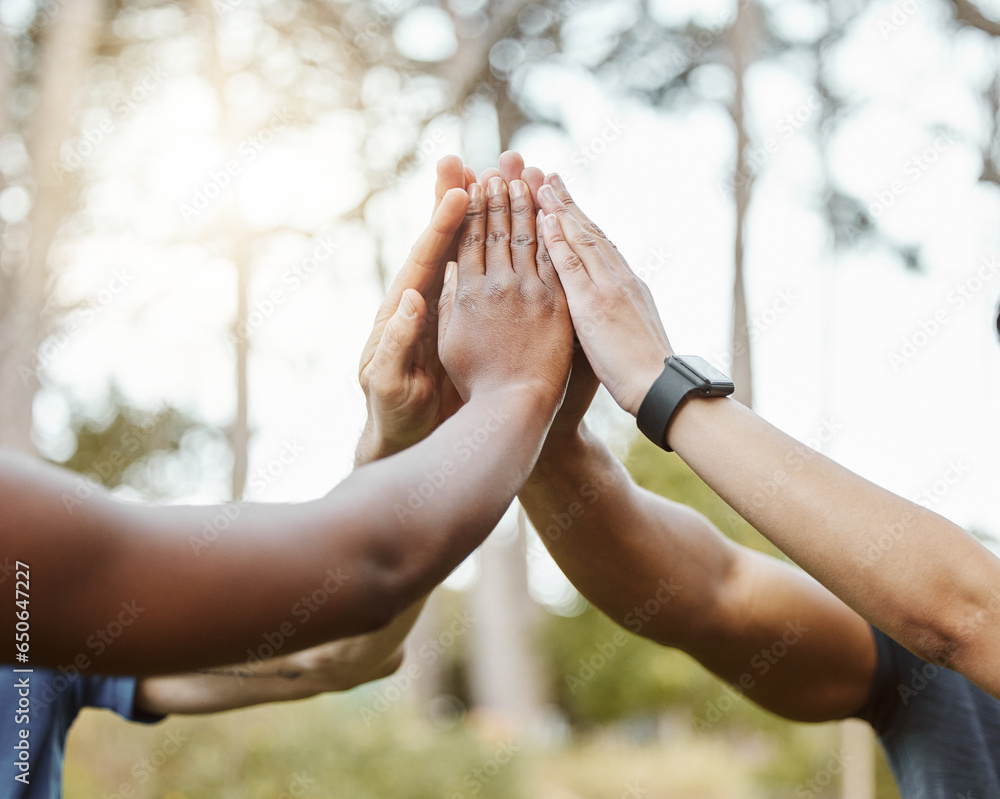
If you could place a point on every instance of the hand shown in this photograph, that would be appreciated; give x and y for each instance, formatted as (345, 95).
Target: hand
(503, 314)
(408, 392)
(583, 383)
(613, 312)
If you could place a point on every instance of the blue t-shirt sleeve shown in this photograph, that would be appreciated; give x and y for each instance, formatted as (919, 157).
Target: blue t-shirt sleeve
(117, 694)
(899, 687)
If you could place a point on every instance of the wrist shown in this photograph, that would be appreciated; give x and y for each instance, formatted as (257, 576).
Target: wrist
(560, 450)
(644, 376)
(536, 397)
(374, 445)
(370, 447)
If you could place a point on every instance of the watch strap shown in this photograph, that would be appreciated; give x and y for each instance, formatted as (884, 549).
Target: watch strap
(661, 402)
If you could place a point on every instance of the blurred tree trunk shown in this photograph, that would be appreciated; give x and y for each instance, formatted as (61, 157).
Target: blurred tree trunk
(67, 47)
(8, 72)
(429, 680)
(239, 431)
(858, 748)
(238, 239)
(504, 672)
(743, 35)
(857, 738)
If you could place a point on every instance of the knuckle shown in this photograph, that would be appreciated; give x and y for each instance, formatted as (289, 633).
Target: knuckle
(497, 290)
(584, 239)
(497, 205)
(472, 240)
(473, 213)
(593, 229)
(523, 240)
(392, 339)
(497, 237)
(538, 294)
(521, 207)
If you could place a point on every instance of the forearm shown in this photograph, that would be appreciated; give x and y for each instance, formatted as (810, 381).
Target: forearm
(223, 688)
(338, 666)
(465, 478)
(205, 585)
(904, 568)
(663, 571)
(654, 566)
(349, 662)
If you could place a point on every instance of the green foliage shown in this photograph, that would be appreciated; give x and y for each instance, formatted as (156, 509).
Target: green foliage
(320, 747)
(158, 454)
(602, 673)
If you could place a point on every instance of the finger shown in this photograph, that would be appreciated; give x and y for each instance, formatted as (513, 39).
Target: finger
(543, 262)
(563, 195)
(472, 235)
(423, 265)
(470, 177)
(511, 166)
(523, 244)
(498, 259)
(489, 172)
(422, 270)
(447, 301)
(398, 347)
(450, 175)
(534, 177)
(585, 244)
(572, 270)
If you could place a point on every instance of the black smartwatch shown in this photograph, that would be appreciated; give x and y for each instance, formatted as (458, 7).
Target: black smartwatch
(683, 376)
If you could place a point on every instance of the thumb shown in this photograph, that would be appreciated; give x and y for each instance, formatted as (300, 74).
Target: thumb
(397, 348)
(447, 301)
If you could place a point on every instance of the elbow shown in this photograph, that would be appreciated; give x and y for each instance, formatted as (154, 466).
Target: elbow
(400, 574)
(952, 640)
(387, 588)
(934, 644)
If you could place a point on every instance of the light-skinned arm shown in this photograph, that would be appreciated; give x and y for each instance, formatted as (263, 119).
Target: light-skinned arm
(337, 666)
(662, 570)
(932, 587)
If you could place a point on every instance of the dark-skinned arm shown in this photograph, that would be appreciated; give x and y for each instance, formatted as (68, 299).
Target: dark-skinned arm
(371, 548)
(404, 399)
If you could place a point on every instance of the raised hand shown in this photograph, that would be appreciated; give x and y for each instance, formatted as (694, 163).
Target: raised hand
(613, 312)
(583, 383)
(409, 393)
(503, 319)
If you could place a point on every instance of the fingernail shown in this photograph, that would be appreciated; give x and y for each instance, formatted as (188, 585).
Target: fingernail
(551, 222)
(518, 189)
(475, 193)
(448, 270)
(546, 193)
(406, 305)
(557, 182)
(494, 187)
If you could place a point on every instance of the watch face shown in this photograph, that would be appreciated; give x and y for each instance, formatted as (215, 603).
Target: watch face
(704, 370)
